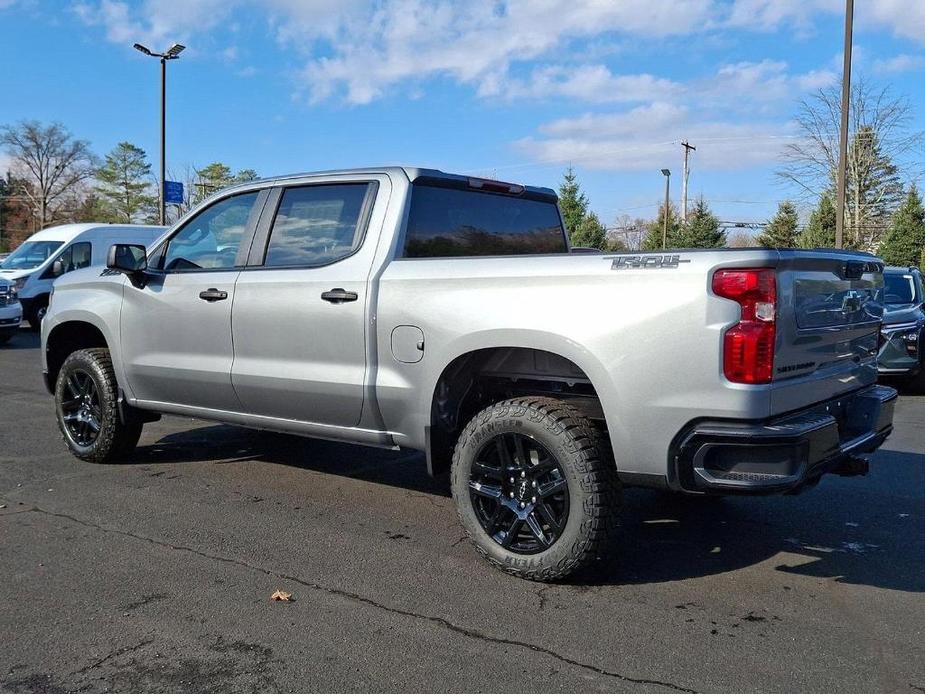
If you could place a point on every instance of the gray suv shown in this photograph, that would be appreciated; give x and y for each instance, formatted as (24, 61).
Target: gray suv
(405, 307)
(903, 327)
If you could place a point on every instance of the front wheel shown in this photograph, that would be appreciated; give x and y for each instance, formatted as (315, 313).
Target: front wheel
(533, 488)
(86, 404)
(37, 313)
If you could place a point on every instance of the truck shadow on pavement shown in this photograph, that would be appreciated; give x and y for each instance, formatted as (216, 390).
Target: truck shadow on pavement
(855, 531)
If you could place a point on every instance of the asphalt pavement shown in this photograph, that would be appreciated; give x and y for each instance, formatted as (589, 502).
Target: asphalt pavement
(156, 575)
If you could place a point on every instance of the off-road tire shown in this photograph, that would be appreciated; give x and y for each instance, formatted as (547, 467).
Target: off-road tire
(116, 439)
(594, 491)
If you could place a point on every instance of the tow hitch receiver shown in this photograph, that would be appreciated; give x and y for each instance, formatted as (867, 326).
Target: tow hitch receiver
(852, 466)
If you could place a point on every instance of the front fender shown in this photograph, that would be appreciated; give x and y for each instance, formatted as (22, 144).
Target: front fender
(97, 302)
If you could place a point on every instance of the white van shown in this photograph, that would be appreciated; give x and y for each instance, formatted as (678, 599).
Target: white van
(52, 252)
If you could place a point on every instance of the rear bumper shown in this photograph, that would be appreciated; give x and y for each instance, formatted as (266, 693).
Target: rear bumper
(784, 453)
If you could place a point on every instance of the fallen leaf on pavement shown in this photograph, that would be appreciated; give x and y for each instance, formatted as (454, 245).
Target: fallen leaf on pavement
(281, 596)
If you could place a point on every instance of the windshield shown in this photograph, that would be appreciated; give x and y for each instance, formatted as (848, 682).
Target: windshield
(29, 255)
(899, 289)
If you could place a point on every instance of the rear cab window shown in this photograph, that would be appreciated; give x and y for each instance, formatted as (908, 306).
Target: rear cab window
(318, 224)
(446, 222)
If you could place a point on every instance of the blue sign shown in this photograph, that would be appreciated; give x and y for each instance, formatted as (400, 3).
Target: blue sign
(173, 192)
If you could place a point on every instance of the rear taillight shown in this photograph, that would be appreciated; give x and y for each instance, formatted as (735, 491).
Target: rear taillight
(748, 346)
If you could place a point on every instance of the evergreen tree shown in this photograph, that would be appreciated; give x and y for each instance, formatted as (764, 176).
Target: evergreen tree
(591, 233)
(656, 229)
(124, 186)
(702, 229)
(94, 207)
(573, 203)
(904, 243)
(820, 232)
(216, 176)
(781, 231)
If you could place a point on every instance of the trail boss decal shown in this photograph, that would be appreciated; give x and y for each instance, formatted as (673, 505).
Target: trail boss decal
(646, 262)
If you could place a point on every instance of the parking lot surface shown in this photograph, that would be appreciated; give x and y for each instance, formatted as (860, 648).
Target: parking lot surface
(156, 575)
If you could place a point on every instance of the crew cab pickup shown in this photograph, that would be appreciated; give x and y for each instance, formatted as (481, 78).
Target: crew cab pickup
(405, 307)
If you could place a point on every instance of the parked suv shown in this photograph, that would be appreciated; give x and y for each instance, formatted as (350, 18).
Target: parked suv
(10, 311)
(903, 327)
(52, 252)
(404, 307)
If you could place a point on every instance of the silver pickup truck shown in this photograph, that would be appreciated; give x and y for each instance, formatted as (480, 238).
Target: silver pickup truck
(404, 307)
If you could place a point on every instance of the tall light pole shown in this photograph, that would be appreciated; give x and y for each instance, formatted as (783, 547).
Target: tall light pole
(171, 53)
(667, 174)
(843, 134)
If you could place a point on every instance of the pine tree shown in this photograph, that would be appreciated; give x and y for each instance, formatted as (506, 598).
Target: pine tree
(124, 187)
(702, 229)
(591, 233)
(572, 202)
(216, 176)
(781, 230)
(656, 229)
(904, 243)
(820, 232)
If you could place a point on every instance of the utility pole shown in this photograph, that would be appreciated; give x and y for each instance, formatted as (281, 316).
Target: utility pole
(843, 134)
(667, 174)
(684, 176)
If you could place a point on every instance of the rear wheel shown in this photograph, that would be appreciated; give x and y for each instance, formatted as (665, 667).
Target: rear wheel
(86, 404)
(533, 490)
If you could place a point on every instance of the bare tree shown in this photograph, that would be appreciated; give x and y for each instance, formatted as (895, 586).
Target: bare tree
(52, 162)
(882, 146)
(629, 231)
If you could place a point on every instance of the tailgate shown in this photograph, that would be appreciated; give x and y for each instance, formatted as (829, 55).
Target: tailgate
(828, 325)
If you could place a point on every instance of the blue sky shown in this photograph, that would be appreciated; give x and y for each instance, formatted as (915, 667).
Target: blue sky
(517, 89)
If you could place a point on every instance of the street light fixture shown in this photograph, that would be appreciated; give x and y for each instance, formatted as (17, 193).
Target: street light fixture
(667, 174)
(171, 53)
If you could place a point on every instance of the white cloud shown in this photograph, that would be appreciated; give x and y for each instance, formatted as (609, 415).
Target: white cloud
(899, 63)
(475, 43)
(150, 23)
(369, 47)
(769, 15)
(749, 85)
(588, 83)
(904, 18)
(648, 136)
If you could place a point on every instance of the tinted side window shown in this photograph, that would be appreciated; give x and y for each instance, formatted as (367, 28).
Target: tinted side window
(210, 240)
(447, 222)
(74, 257)
(316, 225)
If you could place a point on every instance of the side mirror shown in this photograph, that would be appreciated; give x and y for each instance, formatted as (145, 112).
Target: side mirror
(57, 268)
(129, 258)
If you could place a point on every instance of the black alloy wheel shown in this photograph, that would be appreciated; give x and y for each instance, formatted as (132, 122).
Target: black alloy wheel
(519, 493)
(81, 410)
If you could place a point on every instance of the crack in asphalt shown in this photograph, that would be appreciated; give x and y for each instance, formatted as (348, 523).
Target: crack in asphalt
(356, 597)
(114, 654)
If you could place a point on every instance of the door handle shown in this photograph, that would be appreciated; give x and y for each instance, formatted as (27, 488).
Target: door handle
(339, 296)
(213, 294)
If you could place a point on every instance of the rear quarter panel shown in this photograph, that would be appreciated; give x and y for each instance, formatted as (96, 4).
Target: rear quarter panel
(647, 338)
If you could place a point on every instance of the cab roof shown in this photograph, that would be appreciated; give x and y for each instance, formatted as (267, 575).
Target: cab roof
(413, 174)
